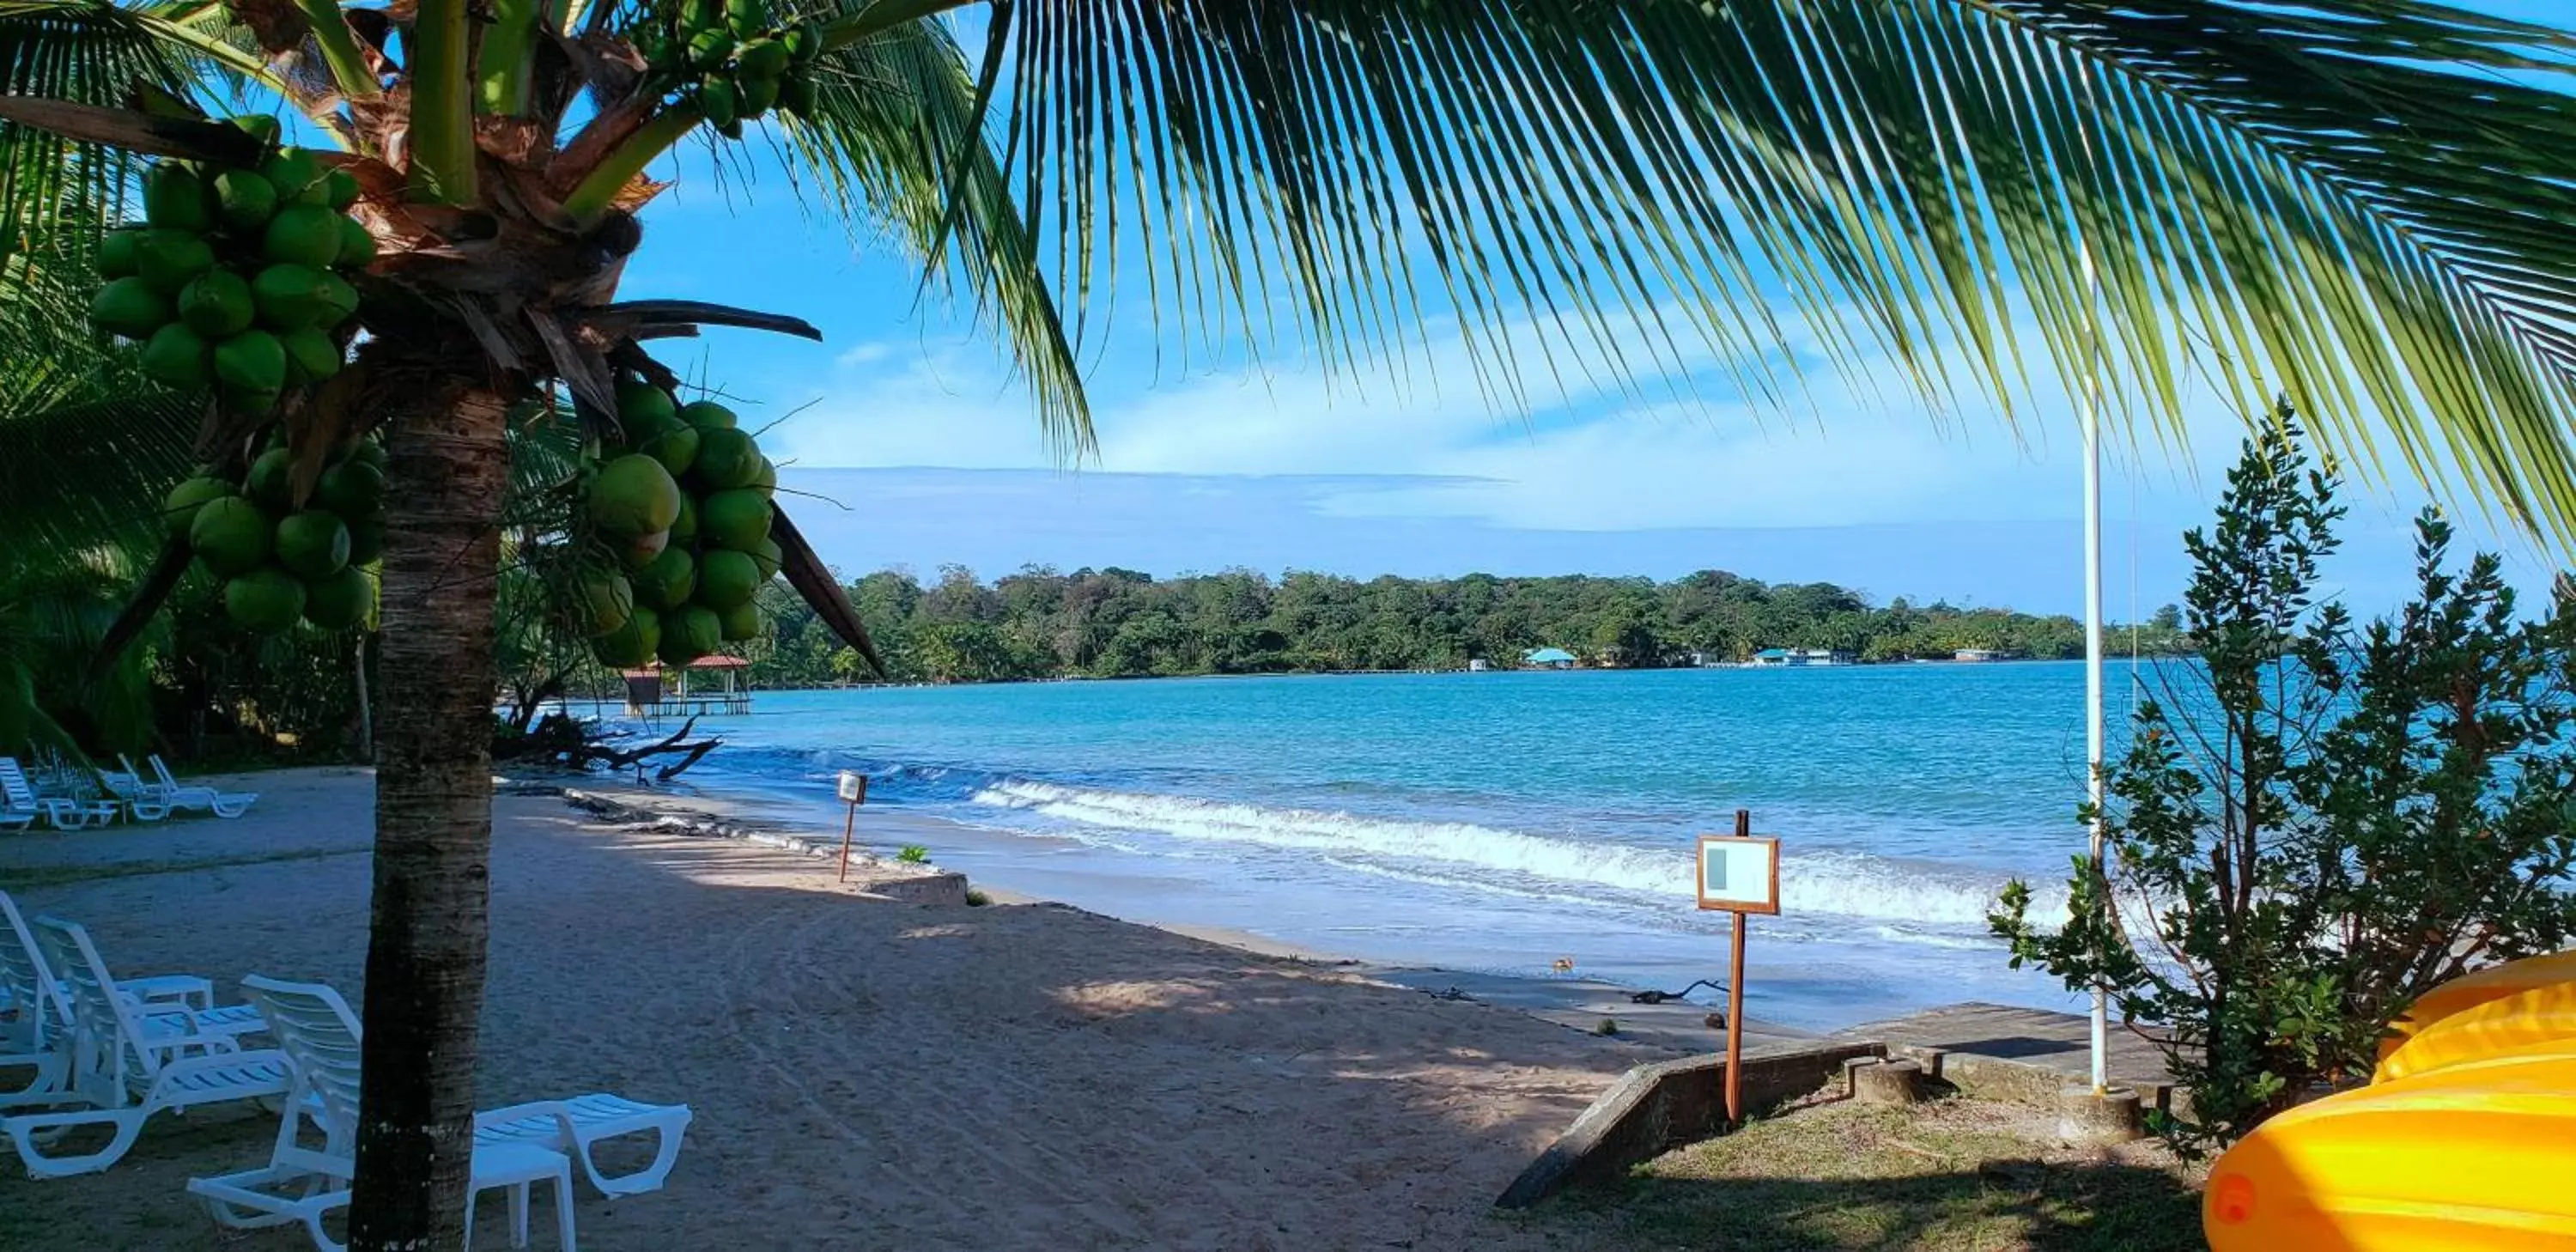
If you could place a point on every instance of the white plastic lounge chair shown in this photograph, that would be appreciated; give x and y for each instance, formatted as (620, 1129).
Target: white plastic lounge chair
(142, 803)
(220, 803)
(168, 1003)
(125, 1069)
(302, 1184)
(574, 1125)
(17, 795)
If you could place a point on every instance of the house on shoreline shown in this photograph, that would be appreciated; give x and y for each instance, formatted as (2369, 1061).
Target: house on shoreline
(1802, 658)
(1548, 658)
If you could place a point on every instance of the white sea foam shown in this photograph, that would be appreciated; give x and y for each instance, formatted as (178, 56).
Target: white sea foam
(1848, 884)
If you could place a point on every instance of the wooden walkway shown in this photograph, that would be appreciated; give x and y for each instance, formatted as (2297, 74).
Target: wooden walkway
(2059, 1042)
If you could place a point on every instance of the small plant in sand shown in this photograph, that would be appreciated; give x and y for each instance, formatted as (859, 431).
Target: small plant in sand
(975, 898)
(913, 854)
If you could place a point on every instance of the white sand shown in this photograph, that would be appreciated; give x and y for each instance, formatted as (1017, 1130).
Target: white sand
(866, 1074)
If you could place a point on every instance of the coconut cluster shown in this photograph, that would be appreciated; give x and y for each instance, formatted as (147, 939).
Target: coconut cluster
(734, 60)
(682, 502)
(230, 279)
(281, 563)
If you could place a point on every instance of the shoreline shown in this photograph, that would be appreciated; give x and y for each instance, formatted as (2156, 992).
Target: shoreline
(1582, 1004)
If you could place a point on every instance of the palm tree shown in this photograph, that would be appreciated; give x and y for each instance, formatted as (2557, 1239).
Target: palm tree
(2354, 201)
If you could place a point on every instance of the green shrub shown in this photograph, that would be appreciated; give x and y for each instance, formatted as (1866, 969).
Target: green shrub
(913, 854)
(2324, 820)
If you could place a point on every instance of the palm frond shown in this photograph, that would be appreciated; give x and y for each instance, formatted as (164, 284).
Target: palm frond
(88, 52)
(93, 444)
(893, 132)
(2356, 201)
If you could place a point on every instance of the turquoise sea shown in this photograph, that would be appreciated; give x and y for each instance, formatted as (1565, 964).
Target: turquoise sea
(1496, 821)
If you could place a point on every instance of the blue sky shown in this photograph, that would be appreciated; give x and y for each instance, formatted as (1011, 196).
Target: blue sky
(920, 449)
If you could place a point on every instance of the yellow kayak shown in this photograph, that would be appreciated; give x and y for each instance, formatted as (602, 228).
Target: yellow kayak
(2476, 1158)
(2470, 990)
(2532, 1015)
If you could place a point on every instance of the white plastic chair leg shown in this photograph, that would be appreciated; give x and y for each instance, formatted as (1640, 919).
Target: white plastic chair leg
(563, 1208)
(666, 1153)
(25, 1132)
(519, 1216)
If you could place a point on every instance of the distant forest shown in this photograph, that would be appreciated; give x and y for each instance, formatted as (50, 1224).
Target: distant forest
(1115, 623)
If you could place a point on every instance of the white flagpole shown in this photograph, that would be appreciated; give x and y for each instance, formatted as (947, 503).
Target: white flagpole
(2092, 418)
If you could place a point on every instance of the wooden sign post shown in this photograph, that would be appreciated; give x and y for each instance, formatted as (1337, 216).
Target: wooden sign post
(1739, 873)
(854, 790)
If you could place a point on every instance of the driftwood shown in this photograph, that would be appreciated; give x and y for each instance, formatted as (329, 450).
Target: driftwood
(577, 743)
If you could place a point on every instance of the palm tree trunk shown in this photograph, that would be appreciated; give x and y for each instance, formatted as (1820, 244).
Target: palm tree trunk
(424, 997)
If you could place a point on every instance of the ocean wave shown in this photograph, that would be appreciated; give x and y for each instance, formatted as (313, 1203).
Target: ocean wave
(1841, 883)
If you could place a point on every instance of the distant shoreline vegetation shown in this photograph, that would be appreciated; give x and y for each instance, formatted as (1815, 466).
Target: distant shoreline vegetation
(1040, 623)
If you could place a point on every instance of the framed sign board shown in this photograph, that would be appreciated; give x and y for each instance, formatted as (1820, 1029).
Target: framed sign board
(854, 787)
(1739, 873)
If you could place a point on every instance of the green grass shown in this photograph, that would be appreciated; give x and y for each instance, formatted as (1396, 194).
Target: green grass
(1952, 1176)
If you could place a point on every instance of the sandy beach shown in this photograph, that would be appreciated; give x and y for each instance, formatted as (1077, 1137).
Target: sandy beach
(865, 1073)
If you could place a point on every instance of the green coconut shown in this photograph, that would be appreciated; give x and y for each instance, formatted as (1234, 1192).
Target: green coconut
(738, 520)
(745, 18)
(357, 244)
(312, 354)
(369, 451)
(171, 259)
(639, 552)
(230, 535)
(719, 101)
(803, 45)
(633, 496)
(766, 481)
(769, 557)
(340, 297)
(684, 528)
(705, 413)
(179, 508)
(758, 94)
(632, 644)
(689, 634)
(797, 94)
(116, 252)
(740, 622)
(251, 362)
(727, 459)
(244, 200)
(176, 356)
(710, 48)
(265, 600)
(762, 58)
(366, 541)
(313, 544)
(306, 234)
(216, 304)
(642, 403)
(727, 579)
(173, 199)
(668, 582)
(341, 600)
(259, 126)
(354, 489)
(248, 400)
(605, 599)
(299, 178)
(129, 307)
(290, 296)
(271, 482)
(340, 189)
(675, 446)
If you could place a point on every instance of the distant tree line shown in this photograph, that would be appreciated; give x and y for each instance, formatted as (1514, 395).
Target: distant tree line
(1116, 623)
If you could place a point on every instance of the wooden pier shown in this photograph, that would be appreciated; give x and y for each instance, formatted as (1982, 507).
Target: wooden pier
(654, 694)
